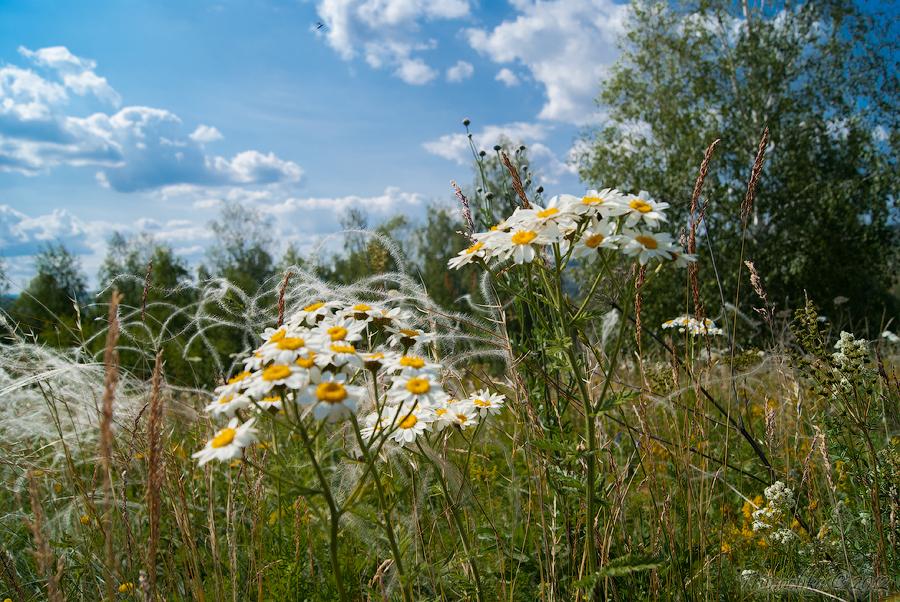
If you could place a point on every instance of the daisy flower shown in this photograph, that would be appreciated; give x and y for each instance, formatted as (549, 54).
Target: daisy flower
(410, 421)
(227, 404)
(599, 235)
(235, 384)
(228, 443)
(277, 375)
(411, 364)
(558, 212)
(608, 202)
(407, 336)
(422, 388)
(337, 330)
(285, 350)
(339, 354)
(333, 397)
(271, 335)
(646, 245)
(373, 425)
(314, 312)
(486, 403)
(520, 243)
(464, 415)
(362, 311)
(269, 402)
(682, 260)
(475, 251)
(643, 208)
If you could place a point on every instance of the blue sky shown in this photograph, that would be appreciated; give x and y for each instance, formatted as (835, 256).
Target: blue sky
(147, 116)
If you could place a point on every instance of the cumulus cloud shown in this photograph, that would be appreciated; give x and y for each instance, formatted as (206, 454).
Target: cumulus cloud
(415, 72)
(455, 147)
(205, 134)
(507, 77)
(386, 33)
(24, 235)
(566, 45)
(77, 73)
(136, 147)
(460, 71)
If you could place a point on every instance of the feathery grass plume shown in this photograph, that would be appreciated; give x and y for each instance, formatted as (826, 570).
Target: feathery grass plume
(516, 180)
(111, 379)
(755, 174)
(8, 574)
(148, 277)
(156, 468)
(281, 290)
(466, 209)
(696, 218)
(43, 555)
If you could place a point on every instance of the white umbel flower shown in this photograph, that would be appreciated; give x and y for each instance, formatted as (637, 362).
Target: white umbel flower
(228, 443)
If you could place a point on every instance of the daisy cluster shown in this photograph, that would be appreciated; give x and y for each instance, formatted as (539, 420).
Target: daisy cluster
(694, 326)
(605, 219)
(324, 362)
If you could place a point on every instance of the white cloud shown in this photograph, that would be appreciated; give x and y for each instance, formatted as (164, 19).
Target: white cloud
(137, 147)
(507, 77)
(205, 134)
(415, 72)
(386, 33)
(566, 45)
(455, 147)
(545, 162)
(77, 73)
(460, 71)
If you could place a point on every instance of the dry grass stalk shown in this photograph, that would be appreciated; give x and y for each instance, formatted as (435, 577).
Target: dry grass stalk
(8, 574)
(466, 209)
(755, 174)
(638, 304)
(281, 292)
(696, 218)
(156, 471)
(43, 555)
(516, 180)
(110, 380)
(148, 277)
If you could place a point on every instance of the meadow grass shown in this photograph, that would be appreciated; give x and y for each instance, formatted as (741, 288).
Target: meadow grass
(607, 458)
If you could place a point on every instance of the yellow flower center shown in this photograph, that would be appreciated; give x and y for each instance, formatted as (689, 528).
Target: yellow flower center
(475, 247)
(306, 362)
(343, 348)
(592, 200)
(337, 333)
(238, 377)
(408, 422)
(276, 372)
(412, 361)
(126, 587)
(372, 357)
(409, 332)
(226, 398)
(462, 418)
(648, 241)
(593, 241)
(277, 335)
(523, 237)
(418, 386)
(361, 307)
(331, 392)
(291, 343)
(548, 212)
(314, 307)
(640, 205)
(224, 437)
(270, 399)
(440, 411)
(481, 403)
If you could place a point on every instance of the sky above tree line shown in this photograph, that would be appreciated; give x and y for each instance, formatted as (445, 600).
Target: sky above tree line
(148, 116)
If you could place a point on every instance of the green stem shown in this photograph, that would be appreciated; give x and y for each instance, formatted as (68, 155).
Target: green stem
(473, 566)
(382, 501)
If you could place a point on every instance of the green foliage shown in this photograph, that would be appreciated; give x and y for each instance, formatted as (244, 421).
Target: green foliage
(50, 305)
(820, 76)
